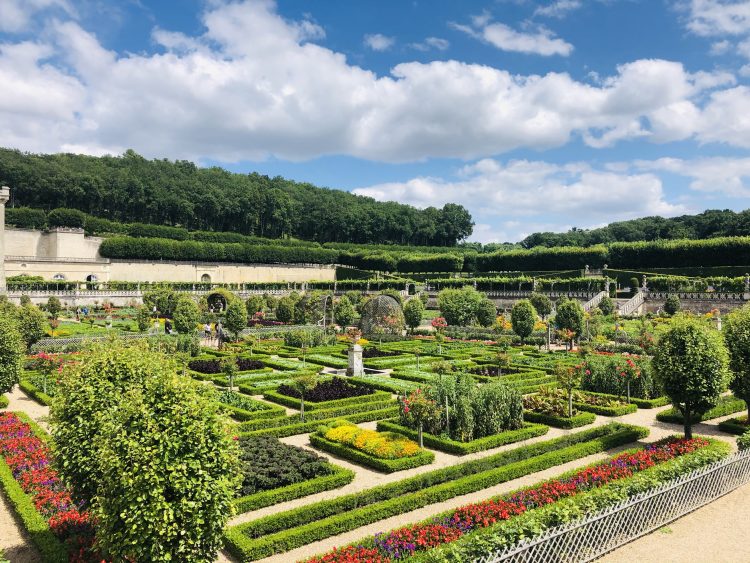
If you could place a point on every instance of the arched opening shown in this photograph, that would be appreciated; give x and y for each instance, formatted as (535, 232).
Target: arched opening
(91, 280)
(205, 278)
(59, 277)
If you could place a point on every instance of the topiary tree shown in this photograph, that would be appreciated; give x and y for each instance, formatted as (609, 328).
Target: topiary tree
(459, 306)
(164, 495)
(186, 315)
(413, 311)
(235, 318)
(31, 324)
(255, 304)
(569, 318)
(285, 310)
(541, 303)
(672, 305)
(486, 313)
(304, 383)
(568, 378)
(736, 330)
(343, 312)
(25, 300)
(692, 363)
(229, 369)
(523, 317)
(143, 318)
(607, 306)
(11, 353)
(54, 307)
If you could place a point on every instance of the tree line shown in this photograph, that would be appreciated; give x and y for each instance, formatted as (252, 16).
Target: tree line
(709, 224)
(131, 189)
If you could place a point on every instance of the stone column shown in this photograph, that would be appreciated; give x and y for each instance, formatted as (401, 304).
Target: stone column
(4, 197)
(356, 366)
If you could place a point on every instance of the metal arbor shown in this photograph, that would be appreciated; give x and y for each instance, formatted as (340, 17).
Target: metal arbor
(382, 315)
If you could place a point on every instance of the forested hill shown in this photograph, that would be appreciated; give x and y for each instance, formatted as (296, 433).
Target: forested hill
(709, 224)
(130, 188)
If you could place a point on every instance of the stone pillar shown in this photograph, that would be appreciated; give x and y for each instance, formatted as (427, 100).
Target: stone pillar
(4, 197)
(356, 366)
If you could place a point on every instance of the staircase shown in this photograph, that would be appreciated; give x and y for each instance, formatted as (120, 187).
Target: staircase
(632, 304)
(594, 301)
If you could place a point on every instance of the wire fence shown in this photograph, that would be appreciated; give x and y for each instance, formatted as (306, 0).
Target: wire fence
(591, 537)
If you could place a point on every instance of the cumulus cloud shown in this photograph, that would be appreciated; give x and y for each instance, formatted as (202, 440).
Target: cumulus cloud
(542, 41)
(16, 15)
(718, 17)
(558, 9)
(254, 85)
(524, 191)
(379, 42)
(430, 43)
(724, 175)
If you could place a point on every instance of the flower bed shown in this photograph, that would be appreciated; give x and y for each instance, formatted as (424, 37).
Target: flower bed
(331, 390)
(727, 404)
(287, 530)
(213, 365)
(384, 451)
(550, 406)
(445, 444)
(449, 527)
(42, 501)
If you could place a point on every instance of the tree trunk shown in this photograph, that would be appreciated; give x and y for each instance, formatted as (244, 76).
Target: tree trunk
(447, 418)
(570, 403)
(419, 432)
(628, 385)
(688, 421)
(302, 408)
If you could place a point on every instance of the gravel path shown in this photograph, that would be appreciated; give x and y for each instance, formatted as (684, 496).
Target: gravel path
(20, 401)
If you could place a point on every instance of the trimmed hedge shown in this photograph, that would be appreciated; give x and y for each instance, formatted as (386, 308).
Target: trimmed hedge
(338, 477)
(581, 419)
(34, 392)
(4, 401)
(341, 412)
(310, 425)
(294, 403)
(51, 548)
(542, 258)
(736, 425)
(287, 530)
(242, 415)
(357, 456)
(640, 403)
(447, 445)
(728, 404)
(606, 411)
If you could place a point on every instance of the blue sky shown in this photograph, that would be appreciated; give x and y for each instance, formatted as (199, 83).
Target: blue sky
(534, 114)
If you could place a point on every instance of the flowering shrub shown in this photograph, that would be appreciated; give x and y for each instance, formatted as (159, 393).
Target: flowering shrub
(29, 460)
(404, 542)
(383, 445)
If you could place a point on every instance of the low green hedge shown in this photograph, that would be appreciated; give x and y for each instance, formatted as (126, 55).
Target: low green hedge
(728, 404)
(606, 411)
(237, 413)
(294, 403)
(340, 412)
(4, 401)
(338, 477)
(34, 392)
(363, 458)
(381, 384)
(735, 425)
(462, 448)
(484, 542)
(327, 360)
(36, 526)
(310, 425)
(580, 419)
(640, 403)
(288, 530)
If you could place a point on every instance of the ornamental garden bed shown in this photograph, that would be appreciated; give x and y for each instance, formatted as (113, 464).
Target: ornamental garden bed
(273, 472)
(727, 404)
(385, 383)
(371, 352)
(384, 451)
(242, 407)
(446, 444)
(283, 531)
(35, 393)
(326, 394)
(550, 406)
(738, 425)
(45, 508)
(640, 403)
(212, 366)
(474, 531)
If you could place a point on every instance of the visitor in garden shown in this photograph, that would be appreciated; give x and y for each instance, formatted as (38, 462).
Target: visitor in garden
(167, 326)
(207, 330)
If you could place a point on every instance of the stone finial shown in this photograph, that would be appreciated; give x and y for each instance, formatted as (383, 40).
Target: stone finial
(4, 194)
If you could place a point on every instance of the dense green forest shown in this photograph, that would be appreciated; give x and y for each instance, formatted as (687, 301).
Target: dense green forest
(709, 224)
(130, 188)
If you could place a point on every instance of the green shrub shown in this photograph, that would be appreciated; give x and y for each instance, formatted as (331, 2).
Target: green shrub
(62, 217)
(577, 420)
(743, 442)
(186, 315)
(32, 324)
(11, 352)
(26, 218)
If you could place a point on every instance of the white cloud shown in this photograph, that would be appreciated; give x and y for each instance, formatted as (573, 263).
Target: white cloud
(718, 17)
(729, 176)
(558, 9)
(379, 42)
(16, 15)
(541, 42)
(720, 47)
(529, 191)
(431, 43)
(254, 85)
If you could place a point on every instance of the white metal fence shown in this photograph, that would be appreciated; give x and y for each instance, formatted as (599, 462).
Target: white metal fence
(591, 537)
